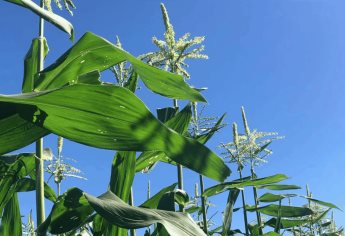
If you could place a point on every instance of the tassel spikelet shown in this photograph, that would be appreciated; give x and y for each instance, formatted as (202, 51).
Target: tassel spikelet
(68, 4)
(172, 52)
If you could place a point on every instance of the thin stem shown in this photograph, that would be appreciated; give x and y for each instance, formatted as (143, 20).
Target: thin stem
(244, 208)
(258, 215)
(40, 208)
(179, 169)
(203, 204)
(132, 232)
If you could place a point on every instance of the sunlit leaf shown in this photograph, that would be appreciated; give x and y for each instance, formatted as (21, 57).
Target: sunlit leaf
(219, 188)
(112, 117)
(285, 211)
(117, 212)
(92, 53)
(31, 63)
(154, 200)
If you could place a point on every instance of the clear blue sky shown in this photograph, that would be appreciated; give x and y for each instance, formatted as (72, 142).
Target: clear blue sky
(282, 60)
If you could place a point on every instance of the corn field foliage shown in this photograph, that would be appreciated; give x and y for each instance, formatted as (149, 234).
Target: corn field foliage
(69, 99)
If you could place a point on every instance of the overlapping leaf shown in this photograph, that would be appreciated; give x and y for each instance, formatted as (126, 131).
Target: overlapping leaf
(74, 208)
(285, 211)
(92, 53)
(219, 188)
(112, 117)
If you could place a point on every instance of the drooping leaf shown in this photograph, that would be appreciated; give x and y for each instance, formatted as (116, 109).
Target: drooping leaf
(112, 117)
(70, 211)
(92, 53)
(219, 188)
(269, 197)
(117, 212)
(31, 63)
(279, 187)
(56, 20)
(153, 202)
(11, 221)
(285, 211)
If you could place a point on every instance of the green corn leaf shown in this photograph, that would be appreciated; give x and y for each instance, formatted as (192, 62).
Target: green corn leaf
(132, 82)
(322, 203)
(117, 212)
(285, 211)
(121, 180)
(75, 207)
(70, 211)
(56, 20)
(16, 132)
(219, 188)
(269, 197)
(228, 212)
(179, 123)
(205, 137)
(165, 114)
(279, 187)
(12, 168)
(153, 202)
(92, 53)
(28, 184)
(112, 117)
(31, 64)
(11, 221)
(271, 234)
(289, 223)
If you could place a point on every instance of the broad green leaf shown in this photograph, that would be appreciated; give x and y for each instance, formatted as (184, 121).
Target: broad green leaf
(179, 123)
(285, 211)
(69, 212)
(168, 200)
(28, 184)
(271, 234)
(11, 221)
(92, 53)
(219, 188)
(31, 63)
(121, 180)
(323, 203)
(165, 114)
(20, 166)
(56, 20)
(154, 200)
(132, 82)
(119, 213)
(269, 197)
(227, 218)
(279, 187)
(112, 117)
(15, 132)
